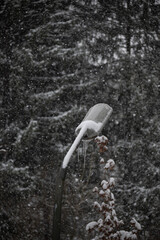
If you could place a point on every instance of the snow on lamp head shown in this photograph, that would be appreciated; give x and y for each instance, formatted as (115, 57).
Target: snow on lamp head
(90, 127)
(95, 120)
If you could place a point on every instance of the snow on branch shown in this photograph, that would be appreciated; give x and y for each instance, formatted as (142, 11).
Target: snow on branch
(102, 141)
(108, 226)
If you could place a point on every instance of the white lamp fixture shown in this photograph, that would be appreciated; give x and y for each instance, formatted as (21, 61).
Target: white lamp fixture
(90, 127)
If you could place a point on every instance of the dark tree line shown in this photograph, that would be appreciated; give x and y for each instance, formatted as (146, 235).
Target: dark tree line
(57, 59)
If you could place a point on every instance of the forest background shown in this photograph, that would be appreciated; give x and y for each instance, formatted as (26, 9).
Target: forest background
(58, 59)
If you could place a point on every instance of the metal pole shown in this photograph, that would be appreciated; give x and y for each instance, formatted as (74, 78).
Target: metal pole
(60, 187)
(58, 204)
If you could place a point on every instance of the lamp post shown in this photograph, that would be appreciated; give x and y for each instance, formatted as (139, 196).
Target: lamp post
(89, 128)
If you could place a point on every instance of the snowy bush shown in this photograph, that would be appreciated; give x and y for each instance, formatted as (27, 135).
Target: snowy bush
(108, 226)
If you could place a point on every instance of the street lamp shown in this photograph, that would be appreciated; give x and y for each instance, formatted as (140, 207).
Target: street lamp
(89, 128)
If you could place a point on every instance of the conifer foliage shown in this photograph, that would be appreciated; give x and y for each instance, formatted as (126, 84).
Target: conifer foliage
(57, 59)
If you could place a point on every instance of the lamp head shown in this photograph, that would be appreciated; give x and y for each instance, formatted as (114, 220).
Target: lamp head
(95, 120)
